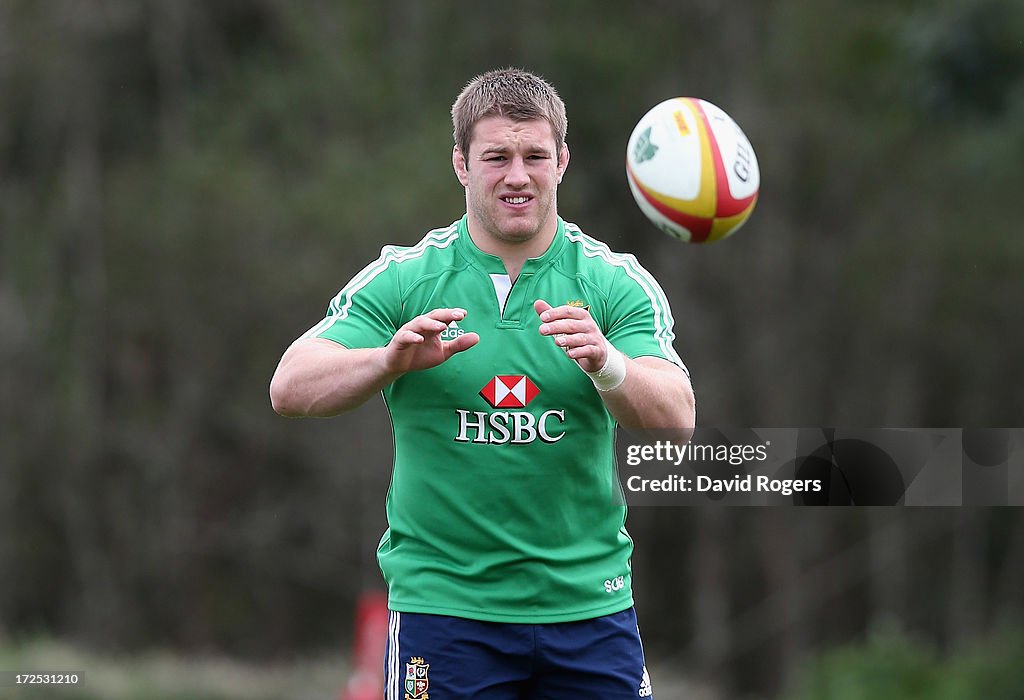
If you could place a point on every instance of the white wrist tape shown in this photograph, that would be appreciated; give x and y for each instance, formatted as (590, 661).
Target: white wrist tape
(613, 373)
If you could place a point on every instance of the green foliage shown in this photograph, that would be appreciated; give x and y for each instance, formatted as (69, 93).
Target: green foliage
(898, 668)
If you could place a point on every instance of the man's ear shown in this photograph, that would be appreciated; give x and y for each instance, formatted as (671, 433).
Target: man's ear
(460, 166)
(563, 161)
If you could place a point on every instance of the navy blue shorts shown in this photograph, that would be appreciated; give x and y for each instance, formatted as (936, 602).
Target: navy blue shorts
(446, 658)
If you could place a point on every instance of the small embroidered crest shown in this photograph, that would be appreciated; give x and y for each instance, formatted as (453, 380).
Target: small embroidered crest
(416, 681)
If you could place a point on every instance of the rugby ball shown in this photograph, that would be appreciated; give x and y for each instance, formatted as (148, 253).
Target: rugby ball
(692, 170)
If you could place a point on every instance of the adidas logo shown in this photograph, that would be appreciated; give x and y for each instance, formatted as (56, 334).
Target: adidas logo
(452, 331)
(645, 686)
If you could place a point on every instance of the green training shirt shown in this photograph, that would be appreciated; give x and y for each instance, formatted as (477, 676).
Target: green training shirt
(504, 503)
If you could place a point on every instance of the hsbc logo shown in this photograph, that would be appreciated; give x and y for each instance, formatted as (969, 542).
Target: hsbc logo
(509, 391)
(512, 427)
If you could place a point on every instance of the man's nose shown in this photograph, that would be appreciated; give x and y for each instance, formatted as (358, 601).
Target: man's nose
(517, 175)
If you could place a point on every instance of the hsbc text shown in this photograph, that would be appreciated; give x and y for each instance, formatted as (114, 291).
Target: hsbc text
(515, 427)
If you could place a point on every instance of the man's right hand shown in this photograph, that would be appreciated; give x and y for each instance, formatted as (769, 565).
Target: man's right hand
(417, 345)
(318, 377)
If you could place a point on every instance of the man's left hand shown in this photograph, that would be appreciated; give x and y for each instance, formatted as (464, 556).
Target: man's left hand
(576, 332)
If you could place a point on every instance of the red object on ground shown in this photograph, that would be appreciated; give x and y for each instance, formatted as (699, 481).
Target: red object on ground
(371, 634)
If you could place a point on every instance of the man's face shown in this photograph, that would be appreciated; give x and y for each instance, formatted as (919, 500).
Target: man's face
(511, 174)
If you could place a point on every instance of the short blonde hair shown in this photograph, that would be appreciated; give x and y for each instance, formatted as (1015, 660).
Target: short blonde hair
(507, 92)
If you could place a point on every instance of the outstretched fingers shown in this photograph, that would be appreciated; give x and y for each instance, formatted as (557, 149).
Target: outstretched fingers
(419, 345)
(575, 331)
(540, 306)
(406, 337)
(446, 316)
(428, 325)
(425, 325)
(462, 343)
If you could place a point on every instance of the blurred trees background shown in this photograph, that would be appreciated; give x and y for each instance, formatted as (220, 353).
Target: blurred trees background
(184, 185)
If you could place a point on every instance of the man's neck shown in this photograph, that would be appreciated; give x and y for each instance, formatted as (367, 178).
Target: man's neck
(513, 254)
